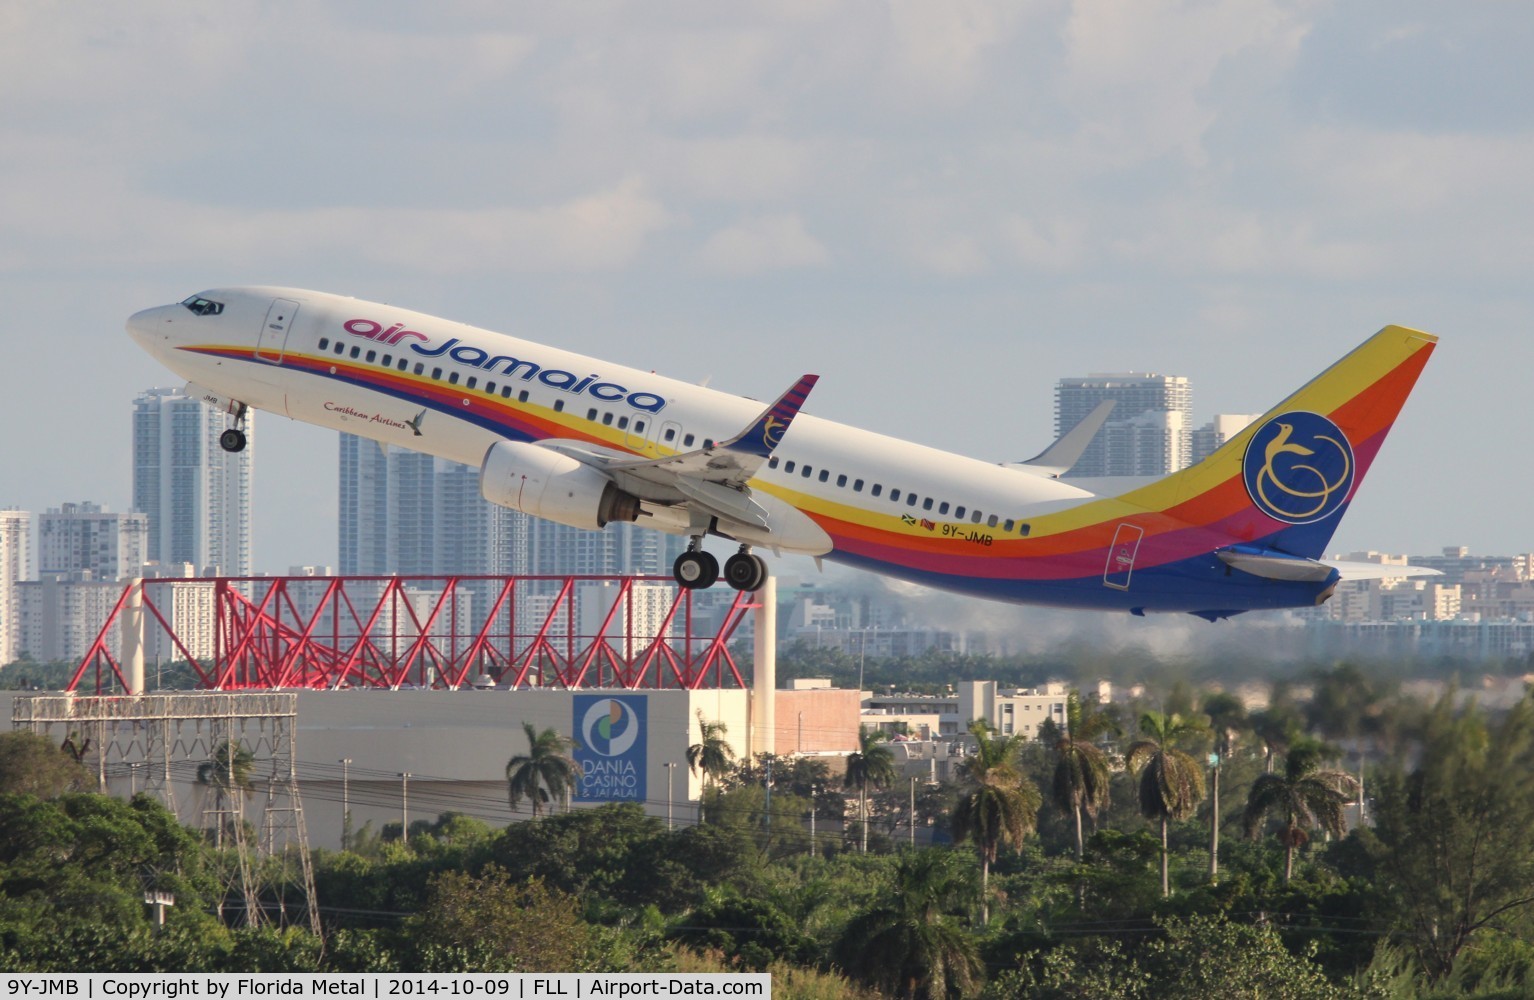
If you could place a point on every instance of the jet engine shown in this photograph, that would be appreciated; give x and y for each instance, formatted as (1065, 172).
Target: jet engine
(552, 486)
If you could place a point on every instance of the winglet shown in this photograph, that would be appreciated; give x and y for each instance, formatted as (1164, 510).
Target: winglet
(763, 436)
(1056, 460)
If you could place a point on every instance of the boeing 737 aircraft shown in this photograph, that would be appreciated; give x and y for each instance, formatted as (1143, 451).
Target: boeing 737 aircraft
(585, 443)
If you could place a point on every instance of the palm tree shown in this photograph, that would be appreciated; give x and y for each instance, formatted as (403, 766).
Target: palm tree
(1305, 796)
(711, 755)
(997, 804)
(910, 942)
(545, 772)
(1171, 782)
(1227, 716)
(227, 772)
(1081, 766)
(872, 764)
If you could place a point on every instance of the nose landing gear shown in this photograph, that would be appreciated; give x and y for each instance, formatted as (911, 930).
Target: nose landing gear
(233, 439)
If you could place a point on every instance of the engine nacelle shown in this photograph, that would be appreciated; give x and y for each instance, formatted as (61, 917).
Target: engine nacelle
(552, 486)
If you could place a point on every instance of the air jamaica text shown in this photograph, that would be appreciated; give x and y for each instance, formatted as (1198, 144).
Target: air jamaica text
(474, 357)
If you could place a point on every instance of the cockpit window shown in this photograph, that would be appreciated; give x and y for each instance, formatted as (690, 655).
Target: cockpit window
(203, 307)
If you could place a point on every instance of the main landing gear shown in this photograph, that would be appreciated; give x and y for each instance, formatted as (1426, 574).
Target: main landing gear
(233, 439)
(696, 569)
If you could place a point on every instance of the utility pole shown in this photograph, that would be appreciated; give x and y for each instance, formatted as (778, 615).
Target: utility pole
(670, 772)
(913, 810)
(346, 803)
(404, 807)
(813, 790)
(767, 818)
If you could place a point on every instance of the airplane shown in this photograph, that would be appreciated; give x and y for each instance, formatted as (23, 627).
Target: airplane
(585, 442)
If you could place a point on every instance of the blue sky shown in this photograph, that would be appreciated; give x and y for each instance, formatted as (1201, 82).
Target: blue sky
(939, 207)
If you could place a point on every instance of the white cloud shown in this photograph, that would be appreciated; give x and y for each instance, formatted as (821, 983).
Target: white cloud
(763, 243)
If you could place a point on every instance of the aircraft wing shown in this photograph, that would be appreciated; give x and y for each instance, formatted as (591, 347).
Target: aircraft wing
(712, 478)
(1056, 460)
(1377, 571)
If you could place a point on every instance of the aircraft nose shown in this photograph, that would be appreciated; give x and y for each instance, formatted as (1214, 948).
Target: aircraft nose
(149, 327)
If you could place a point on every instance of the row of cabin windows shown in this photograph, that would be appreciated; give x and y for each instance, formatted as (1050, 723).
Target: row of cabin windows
(941, 508)
(403, 364)
(608, 419)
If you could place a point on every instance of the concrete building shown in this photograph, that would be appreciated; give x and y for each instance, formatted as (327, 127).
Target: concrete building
(86, 536)
(62, 613)
(1208, 438)
(1149, 432)
(1008, 710)
(196, 495)
(403, 512)
(15, 566)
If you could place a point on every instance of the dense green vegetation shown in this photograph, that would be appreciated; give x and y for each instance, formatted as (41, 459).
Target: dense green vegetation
(1433, 898)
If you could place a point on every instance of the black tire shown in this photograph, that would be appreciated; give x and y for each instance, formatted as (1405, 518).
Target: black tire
(745, 571)
(696, 570)
(232, 439)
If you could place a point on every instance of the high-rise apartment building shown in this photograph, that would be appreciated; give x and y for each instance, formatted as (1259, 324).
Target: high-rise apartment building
(403, 512)
(85, 536)
(1222, 428)
(1149, 432)
(15, 543)
(197, 495)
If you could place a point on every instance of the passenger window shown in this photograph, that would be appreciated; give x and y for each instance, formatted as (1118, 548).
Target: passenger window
(942, 508)
(958, 512)
(926, 504)
(591, 414)
(878, 488)
(404, 363)
(490, 388)
(857, 486)
(371, 356)
(505, 392)
(975, 516)
(522, 396)
(472, 380)
(894, 496)
(388, 359)
(607, 420)
(841, 481)
(992, 521)
(708, 442)
(789, 466)
(559, 406)
(639, 427)
(1023, 529)
(805, 471)
(436, 373)
(1007, 525)
(910, 499)
(824, 475)
(452, 378)
(340, 347)
(623, 423)
(670, 436)
(356, 352)
(687, 443)
(324, 343)
(772, 463)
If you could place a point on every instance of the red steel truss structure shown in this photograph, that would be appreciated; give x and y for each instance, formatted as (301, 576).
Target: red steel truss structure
(437, 632)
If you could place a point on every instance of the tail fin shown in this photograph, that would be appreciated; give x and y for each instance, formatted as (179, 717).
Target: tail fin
(1285, 481)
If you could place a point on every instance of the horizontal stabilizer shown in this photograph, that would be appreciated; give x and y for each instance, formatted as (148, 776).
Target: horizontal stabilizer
(1270, 564)
(1377, 571)
(1056, 460)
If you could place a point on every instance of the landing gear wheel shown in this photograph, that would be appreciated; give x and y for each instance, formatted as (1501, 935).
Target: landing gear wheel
(695, 570)
(232, 440)
(745, 571)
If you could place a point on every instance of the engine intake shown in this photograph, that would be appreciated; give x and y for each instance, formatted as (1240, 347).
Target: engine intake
(546, 484)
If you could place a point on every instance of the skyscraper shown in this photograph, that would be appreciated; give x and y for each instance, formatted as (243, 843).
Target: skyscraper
(15, 538)
(84, 536)
(196, 494)
(408, 513)
(1149, 432)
